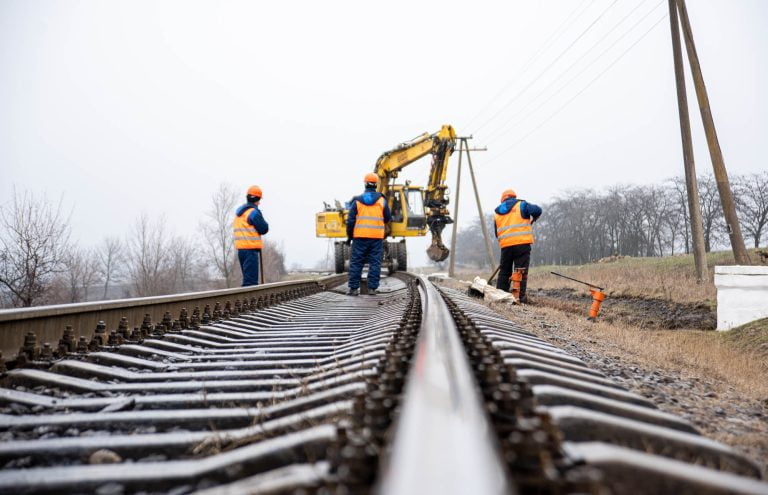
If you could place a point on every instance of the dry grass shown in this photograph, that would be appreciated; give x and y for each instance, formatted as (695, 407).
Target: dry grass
(672, 278)
(691, 352)
(751, 337)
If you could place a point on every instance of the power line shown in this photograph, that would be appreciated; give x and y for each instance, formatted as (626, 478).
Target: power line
(559, 31)
(504, 107)
(562, 107)
(505, 127)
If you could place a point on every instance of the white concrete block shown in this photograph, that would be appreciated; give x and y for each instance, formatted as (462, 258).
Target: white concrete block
(742, 295)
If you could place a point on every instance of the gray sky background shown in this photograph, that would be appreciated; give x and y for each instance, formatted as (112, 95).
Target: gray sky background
(143, 106)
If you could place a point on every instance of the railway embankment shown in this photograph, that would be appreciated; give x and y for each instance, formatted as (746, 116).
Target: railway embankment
(655, 335)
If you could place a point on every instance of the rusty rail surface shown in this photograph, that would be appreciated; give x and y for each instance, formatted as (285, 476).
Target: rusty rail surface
(48, 322)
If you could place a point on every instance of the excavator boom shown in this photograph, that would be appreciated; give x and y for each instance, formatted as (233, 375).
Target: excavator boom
(414, 209)
(440, 145)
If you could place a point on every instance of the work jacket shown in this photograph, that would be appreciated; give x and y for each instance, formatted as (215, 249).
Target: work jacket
(368, 214)
(369, 223)
(511, 228)
(244, 227)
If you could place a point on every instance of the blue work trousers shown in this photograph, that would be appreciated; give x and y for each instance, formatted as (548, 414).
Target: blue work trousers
(365, 251)
(249, 264)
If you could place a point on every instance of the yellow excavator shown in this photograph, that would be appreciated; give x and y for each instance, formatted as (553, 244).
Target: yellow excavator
(415, 209)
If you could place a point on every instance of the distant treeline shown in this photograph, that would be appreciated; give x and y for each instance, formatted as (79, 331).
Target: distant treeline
(41, 264)
(584, 225)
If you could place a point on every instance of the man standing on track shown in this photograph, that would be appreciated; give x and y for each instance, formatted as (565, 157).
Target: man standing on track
(514, 230)
(366, 224)
(248, 227)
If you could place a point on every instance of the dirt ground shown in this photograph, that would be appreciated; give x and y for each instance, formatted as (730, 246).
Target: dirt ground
(689, 372)
(639, 311)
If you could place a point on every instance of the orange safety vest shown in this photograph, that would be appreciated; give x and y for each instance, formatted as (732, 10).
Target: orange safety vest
(246, 235)
(369, 222)
(512, 229)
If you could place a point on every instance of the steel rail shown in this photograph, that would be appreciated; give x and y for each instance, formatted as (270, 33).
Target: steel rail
(569, 428)
(301, 392)
(443, 441)
(48, 322)
(290, 399)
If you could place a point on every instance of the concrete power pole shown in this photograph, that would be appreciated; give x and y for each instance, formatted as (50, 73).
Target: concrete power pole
(452, 264)
(718, 164)
(691, 185)
(488, 245)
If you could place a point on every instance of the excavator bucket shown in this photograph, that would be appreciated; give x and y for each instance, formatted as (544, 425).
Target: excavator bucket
(437, 251)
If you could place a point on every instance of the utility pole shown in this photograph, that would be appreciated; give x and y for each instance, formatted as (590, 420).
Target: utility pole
(691, 185)
(488, 247)
(718, 164)
(452, 263)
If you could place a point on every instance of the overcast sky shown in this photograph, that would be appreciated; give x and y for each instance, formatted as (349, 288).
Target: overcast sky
(147, 106)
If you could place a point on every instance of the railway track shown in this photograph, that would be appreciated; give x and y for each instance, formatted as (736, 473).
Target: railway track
(297, 388)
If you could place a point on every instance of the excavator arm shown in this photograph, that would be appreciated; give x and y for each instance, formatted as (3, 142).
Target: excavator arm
(440, 145)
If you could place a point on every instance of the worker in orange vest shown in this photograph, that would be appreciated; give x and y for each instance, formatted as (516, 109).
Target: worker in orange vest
(248, 227)
(366, 224)
(514, 229)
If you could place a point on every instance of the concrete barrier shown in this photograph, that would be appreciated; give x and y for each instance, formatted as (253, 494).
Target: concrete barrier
(742, 295)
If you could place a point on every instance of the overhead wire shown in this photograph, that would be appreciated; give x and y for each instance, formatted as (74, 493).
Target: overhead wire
(559, 31)
(568, 102)
(562, 53)
(512, 123)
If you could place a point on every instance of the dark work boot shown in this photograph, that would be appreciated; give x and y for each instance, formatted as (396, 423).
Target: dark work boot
(353, 292)
(524, 287)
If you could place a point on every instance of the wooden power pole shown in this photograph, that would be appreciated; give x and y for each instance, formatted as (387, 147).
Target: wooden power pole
(691, 185)
(718, 164)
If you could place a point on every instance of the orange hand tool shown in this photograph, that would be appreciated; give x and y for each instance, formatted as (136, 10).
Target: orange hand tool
(598, 296)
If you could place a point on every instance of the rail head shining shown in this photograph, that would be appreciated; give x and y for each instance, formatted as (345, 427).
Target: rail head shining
(443, 442)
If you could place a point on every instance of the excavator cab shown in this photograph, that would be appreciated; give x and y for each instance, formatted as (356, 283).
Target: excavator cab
(406, 203)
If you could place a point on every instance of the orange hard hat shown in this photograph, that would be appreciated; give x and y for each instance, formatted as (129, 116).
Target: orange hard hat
(254, 191)
(371, 177)
(509, 193)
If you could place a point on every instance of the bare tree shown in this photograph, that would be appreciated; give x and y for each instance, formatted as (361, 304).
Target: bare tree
(217, 229)
(34, 237)
(470, 244)
(674, 223)
(149, 256)
(185, 267)
(111, 257)
(679, 213)
(81, 271)
(711, 211)
(752, 203)
(273, 260)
